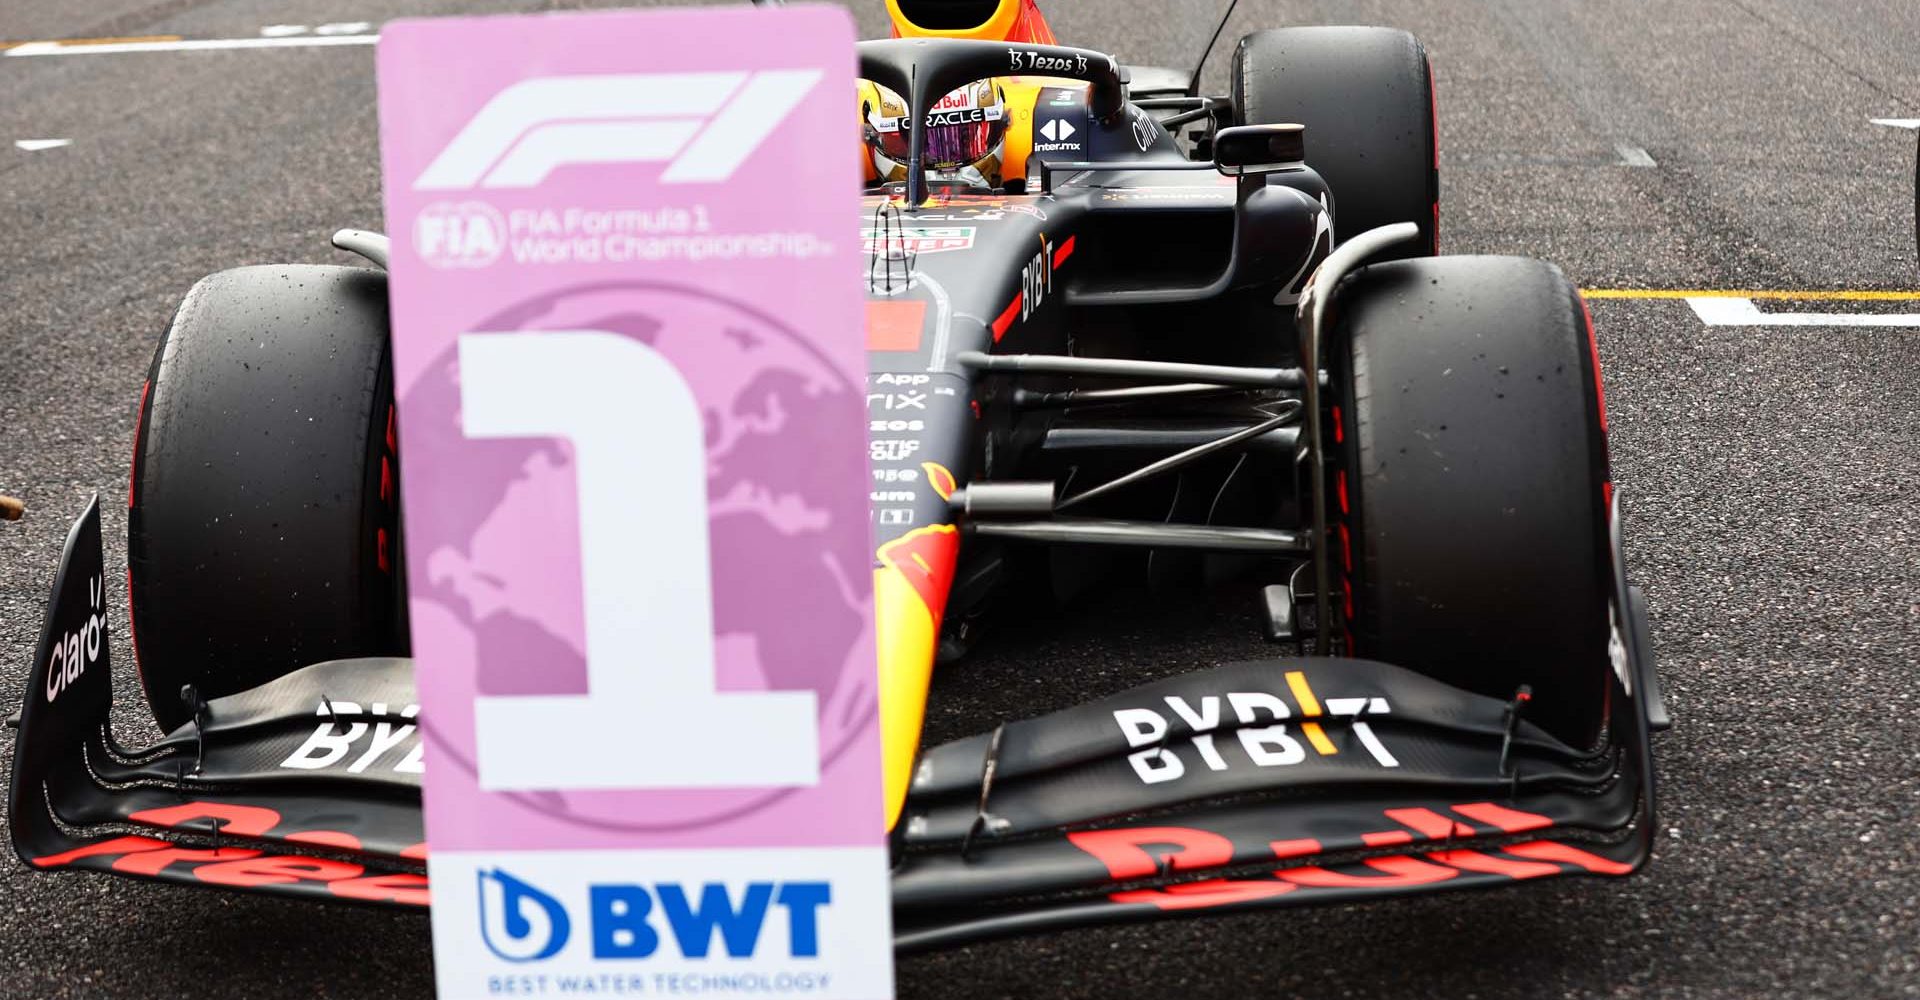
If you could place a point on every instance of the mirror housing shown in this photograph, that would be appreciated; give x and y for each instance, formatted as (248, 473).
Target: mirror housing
(1246, 150)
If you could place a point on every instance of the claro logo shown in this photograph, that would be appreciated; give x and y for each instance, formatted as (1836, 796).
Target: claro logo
(521, 923)
(703, 125)
(79, 649)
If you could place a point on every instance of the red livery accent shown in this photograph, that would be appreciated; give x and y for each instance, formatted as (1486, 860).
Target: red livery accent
(1430, 824)
(1551, 850)
(1134, 853)
(139, 421)
(327, 838)
(233, 820)
(116, 845)
(925, 557)
(895, 325)
(276, 871)
(1397, 870)
(245, 867)
(1001, 325)
(1474, 861)
(1295, 848)
(1063, 251)
(152, 863)
(1124, 853)
(1506, 820)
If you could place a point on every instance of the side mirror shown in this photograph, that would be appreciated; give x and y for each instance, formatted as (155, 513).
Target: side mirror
(1246, 150)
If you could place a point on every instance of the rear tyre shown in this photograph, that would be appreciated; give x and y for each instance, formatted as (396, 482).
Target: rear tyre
(1469, 515)
(263, 514)
(1366, 98)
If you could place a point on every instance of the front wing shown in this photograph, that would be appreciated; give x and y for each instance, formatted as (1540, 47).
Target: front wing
(1272, 783)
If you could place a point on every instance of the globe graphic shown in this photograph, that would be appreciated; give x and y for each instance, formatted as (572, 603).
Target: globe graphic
(791, 574)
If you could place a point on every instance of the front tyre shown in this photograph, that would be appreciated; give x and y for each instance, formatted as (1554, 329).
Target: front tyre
(263, 522)
(1469, 515)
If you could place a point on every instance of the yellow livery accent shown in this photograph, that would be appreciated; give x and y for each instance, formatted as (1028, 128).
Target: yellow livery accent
(909, 596)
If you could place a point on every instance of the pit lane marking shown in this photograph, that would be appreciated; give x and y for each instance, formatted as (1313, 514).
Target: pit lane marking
(1738, 308)
(1909, 123)
(1729, 311)
(1634, 156)
(1841, 295)
(334, 28)
(100, 47)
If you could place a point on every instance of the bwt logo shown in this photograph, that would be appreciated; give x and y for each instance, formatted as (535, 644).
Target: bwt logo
(705, 124)
(521, 923)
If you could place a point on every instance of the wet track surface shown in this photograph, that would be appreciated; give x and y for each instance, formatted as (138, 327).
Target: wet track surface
(1770, 476)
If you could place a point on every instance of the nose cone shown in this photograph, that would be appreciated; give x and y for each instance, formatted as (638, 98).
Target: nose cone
(910, 586)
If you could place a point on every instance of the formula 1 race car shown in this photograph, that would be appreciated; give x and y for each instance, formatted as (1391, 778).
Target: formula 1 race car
(1114, 326)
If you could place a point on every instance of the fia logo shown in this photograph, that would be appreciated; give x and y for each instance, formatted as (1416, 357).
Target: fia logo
(518, 922)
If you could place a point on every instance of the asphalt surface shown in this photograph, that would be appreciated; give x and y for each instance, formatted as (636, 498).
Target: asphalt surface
(1770, 477)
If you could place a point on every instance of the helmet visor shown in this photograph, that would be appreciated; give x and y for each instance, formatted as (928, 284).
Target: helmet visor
(963, 127)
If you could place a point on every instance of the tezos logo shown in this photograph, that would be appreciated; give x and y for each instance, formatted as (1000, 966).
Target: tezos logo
(521, 923)
(459, 234)
(78, 649)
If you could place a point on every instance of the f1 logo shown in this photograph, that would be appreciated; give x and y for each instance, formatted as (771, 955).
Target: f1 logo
(706, 124)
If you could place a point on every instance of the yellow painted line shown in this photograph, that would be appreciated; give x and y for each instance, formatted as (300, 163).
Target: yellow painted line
(65, 42)
(1297, 682)
(1801, 296)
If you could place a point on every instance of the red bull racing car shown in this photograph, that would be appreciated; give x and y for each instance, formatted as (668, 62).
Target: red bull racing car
(1115, 326)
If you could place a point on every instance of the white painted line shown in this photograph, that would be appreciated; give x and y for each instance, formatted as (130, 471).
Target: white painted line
(1897, 122)
(282, 30)
(344, 28)
(35, 145)
(185, 45)
(1742, 312)
(1634, 156)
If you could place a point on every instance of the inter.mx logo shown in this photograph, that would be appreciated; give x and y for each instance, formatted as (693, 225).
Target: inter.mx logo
(520, 922)
(702, 125)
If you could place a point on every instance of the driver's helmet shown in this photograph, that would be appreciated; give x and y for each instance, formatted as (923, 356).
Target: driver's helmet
(965, 132)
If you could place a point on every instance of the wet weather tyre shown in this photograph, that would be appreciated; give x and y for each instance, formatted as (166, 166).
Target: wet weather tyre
(1469, 524)
(263, 508)
(1366, 98)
